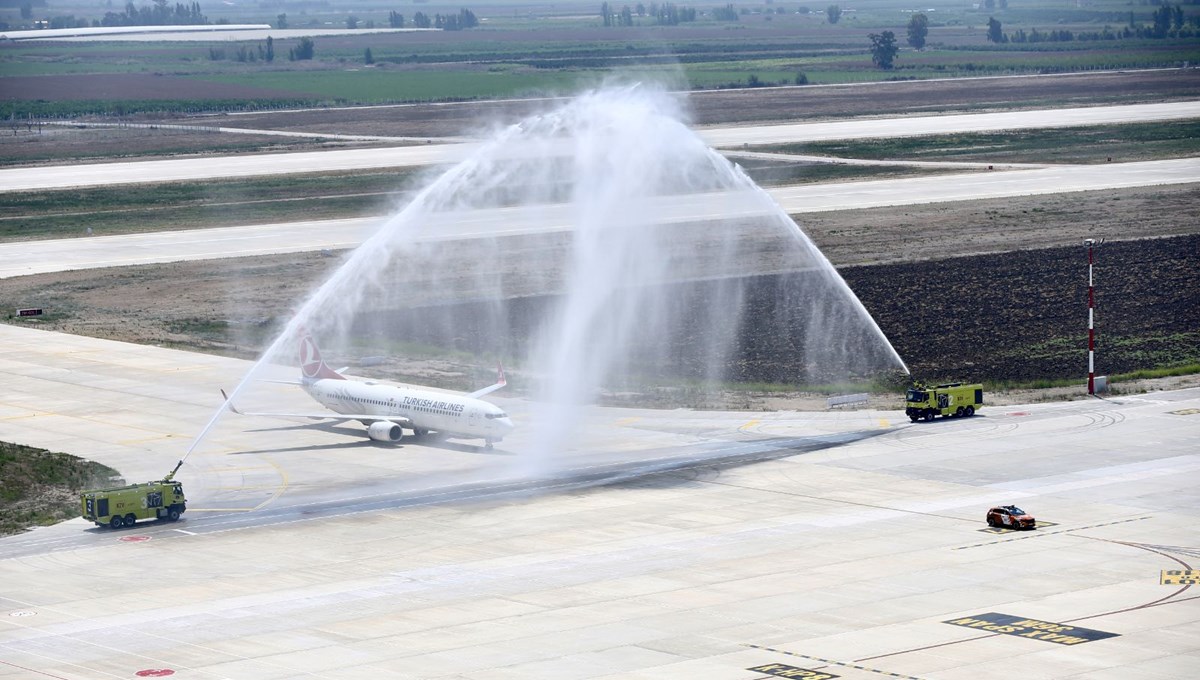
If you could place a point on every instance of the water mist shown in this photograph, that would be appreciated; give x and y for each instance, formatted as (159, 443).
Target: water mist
(649, 261)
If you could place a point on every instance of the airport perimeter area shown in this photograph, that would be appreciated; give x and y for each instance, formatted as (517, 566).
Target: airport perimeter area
(665, 544)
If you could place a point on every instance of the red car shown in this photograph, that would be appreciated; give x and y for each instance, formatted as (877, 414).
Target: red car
(1011, 517)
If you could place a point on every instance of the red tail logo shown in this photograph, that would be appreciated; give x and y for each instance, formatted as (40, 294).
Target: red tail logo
(312, 366)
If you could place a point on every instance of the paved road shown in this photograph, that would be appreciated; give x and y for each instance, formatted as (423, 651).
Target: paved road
(659, 544)
(32, 257)
(107, 174)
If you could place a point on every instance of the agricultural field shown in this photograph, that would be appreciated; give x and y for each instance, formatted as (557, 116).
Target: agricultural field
(524, 50)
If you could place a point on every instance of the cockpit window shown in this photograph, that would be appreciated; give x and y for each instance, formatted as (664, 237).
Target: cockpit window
(491, 416)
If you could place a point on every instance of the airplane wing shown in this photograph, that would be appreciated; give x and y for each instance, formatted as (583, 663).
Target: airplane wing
(500, 382)
(328, 415)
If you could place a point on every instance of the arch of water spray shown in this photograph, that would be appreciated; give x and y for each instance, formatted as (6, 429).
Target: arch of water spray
(649, 257)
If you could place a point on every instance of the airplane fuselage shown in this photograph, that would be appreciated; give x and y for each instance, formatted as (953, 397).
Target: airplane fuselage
(425, 410)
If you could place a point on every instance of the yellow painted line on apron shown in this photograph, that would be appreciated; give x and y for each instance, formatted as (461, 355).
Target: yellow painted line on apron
(283, 486)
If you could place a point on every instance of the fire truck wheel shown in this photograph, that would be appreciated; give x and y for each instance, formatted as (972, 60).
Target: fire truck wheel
(116, 522)
(173, 514)
(970, 411)
(929, 415)
(958, 412)
(130, 519)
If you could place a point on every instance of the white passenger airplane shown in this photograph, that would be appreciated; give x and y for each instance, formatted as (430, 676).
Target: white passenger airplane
(386, 409)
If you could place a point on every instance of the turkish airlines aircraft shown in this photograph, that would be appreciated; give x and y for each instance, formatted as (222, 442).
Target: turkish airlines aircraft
(386, 409)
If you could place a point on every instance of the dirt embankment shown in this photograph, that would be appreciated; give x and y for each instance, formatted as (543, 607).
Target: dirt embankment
(1009, 316)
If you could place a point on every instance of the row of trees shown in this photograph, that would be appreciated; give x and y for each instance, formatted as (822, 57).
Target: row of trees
(667, 14)
(448, 22)
(158, 14)
(1167, 22)
(245, 53)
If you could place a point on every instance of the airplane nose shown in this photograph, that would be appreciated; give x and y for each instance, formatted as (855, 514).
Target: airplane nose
(508, 424)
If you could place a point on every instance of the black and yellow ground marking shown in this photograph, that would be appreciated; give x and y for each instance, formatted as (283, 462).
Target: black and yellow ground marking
(785, 671)
(1041, 534)
(1180, 577)
(1011, 530)
(1046, 631)
(843, 664)
(1186, 412)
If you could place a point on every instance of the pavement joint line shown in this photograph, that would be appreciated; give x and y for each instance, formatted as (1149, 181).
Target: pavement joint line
(49, 675)
(837, 500)
(836, 663)
(81, 638)
(1052, 533)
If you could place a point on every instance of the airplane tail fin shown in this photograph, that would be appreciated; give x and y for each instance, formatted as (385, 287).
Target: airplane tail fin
(500, 382)
(312, 366)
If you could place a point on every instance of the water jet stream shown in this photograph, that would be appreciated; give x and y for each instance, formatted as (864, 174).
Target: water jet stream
(632, 295)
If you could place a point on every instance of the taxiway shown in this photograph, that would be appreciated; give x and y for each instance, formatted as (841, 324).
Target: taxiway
(111, 174)
(36, 257)
(661, 544)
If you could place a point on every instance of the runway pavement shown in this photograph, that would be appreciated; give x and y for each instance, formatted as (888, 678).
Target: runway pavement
(660, 544)
(35, 257)
(110, 174)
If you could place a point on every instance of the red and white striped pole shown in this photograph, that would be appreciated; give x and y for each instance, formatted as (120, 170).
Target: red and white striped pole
(1091, 246)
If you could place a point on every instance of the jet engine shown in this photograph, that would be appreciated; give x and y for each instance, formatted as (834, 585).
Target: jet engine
(384, 431)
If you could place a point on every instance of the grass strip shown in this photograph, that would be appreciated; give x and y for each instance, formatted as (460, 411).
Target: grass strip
(1092, 144)
(40, 487)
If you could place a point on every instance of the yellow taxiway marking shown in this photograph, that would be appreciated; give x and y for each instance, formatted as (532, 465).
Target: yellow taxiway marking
(628, 421)
(751, 423)
(283, 484)
(885, 423)
(220, 509)
(30, 414)
(1179, 577)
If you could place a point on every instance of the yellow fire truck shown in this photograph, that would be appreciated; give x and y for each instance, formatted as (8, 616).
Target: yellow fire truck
(950, 400)
(123, 506)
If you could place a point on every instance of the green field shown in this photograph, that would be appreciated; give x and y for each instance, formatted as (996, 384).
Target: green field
(520, 50)
(164, 207)
(1095, 144)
